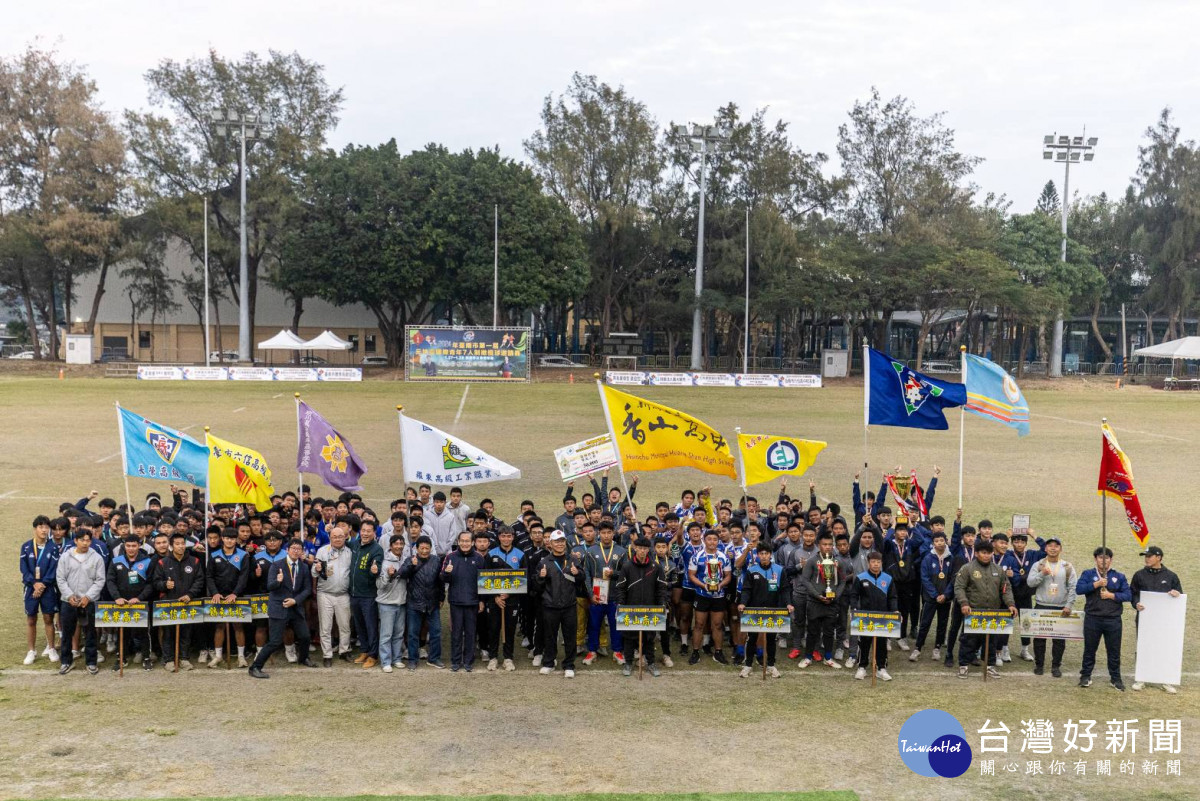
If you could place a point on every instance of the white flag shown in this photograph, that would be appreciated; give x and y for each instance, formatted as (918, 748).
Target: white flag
(434, 457)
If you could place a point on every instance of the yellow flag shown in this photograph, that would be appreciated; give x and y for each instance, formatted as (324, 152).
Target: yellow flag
(765, 458)
(237, 474)
(650, 436)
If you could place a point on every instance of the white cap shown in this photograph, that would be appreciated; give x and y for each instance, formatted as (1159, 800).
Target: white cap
(557, 535)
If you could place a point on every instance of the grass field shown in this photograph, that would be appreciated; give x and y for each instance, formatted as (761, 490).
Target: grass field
(695, 730)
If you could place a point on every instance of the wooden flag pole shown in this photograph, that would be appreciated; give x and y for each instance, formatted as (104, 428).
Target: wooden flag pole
(124, 463)
(299, 475)
(228, 648)
(987, 642)
(176, 647)
(1103, 503)
(762, 641)
(874, 666)
(641, 654)
(613, 435)
(121, 651)
(962, 425)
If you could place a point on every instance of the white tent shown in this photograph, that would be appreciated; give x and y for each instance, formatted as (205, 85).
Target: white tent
(327, 340)
(284, 340)
(1186, 348)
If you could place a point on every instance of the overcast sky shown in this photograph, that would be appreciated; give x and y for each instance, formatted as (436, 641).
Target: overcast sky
(472, 74)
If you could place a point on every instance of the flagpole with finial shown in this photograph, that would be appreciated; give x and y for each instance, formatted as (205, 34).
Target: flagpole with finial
(403, 445)
(962, 424)
(866, 421)
(299, 475)
(207, 498)
(1103, 495)
(616, 446)
(124, 462)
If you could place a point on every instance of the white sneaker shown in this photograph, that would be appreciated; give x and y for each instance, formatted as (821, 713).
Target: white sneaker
(568, 674)
(492, 665)
(423, 653)
(860, 674)
(185, 665)
(839, 653)
(781, 641)
(1025, 654)
(75, 655)
(52, 654)
(745, 674)
(46, 651)
(546, 671)
(836, 665)
(290, 652)
(1138, 686)
(110, 645)
(203, 657)
(883, 674)
(851, 662)
(1004, 655)
(537, 661)
(773, 672)
(215, 663)
(99, 657)
(169, 666)
(483, 654)
(525, 642)
(889, 644)
(242, 662)
(509, 666)
(387, 668)
(999, 662)
(803, 663)
(1170, 688)
(914, 656)
(937, 654)
(668, 661)
(903, 644)
(31, 657)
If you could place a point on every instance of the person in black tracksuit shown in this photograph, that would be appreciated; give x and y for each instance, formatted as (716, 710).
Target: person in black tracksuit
(226, 580)
(902, 560)
(129, 582)
(535, 626)
(425, 593)
(560, 580)
(641, 582)
(178, 576)
(460, 574)
(873, 591)
(503, 557)
(759, 587)
(963, 555)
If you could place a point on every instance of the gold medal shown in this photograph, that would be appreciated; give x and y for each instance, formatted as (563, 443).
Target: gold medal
(901, 563)
(941, 575)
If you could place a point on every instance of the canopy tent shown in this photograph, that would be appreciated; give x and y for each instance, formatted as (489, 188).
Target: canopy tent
(1186, 348)
(327, 340)
(284, 340)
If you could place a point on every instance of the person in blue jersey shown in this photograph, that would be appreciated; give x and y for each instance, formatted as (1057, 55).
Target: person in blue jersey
(129, 582)
(639, 580)
(503, 607)
(39, 562)
(709, 573)
(689, 541)
(226, 580)
(1021, 562)
(873, 590)
(1105, 592)
(759, 588)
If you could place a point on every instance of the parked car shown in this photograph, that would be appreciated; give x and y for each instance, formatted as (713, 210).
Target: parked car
(557, 361)
(312, 361)
(374, 361)
(940, 367)
(223, 356)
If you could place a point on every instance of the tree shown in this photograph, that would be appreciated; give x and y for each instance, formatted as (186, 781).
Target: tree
(1047, 202)
(1106, 229)
(149, 287)
(180, 158)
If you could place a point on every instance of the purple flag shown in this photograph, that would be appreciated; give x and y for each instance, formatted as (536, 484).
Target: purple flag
(324, 452)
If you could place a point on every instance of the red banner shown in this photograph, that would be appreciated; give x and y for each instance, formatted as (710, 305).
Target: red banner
(1116, 481)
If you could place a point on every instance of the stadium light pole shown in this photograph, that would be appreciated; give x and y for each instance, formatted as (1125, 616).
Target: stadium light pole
(746, 323)
(207, 344)
(242, 124)
(700, 139)
(1065, 150)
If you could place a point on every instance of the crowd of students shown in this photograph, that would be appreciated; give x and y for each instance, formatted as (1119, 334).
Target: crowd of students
(333, 566)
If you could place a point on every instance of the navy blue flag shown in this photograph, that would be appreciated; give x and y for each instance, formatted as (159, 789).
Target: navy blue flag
(898, 396)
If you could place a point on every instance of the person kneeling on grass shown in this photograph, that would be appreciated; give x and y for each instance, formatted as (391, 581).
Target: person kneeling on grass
(758, 588)
(641, 582)
(80, 578)
(873, 591)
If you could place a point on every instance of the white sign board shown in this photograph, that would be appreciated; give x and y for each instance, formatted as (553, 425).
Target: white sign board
(586, 457)
(1160, 638)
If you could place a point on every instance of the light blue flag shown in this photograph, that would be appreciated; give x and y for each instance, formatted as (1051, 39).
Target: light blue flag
(992, 393)
(155, 451)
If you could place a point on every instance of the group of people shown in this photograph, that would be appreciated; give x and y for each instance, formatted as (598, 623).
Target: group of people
(333, 568)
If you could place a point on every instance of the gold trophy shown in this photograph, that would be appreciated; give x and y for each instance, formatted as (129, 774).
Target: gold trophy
(712, 573)
(829, 568)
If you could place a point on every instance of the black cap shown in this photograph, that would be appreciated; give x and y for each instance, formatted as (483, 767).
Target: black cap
(1049, 540)
(1153, 550)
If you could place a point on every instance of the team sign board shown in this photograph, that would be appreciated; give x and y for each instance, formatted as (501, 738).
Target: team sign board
(174, 613)
(236, 612)
(772, 621)
(110, 615)
(436, 353)
(1051, 624)
(507, 582)
(874, 624)
(258, 606)
(988, 621)
(641, 618)
(582, 458)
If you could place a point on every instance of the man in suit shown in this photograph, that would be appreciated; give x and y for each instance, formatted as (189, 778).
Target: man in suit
(289, 585)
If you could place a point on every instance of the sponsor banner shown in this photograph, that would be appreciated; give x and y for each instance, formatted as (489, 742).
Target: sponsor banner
(466, 354)
(236, 612)
(799, 381)
(293, 374)
(772, 621)
(205, 373)
(506, 582)
(171, 613)
(152, 372)
(714, 380)
(339, 374)
(874, 624)
(669, 379)
(773, 380)
(251, 374)
(757, 380)
(582, 458)
(625, 378)
(1051, 624)
(641, 618)
(988, 621)
(258, 606)
(110, 615)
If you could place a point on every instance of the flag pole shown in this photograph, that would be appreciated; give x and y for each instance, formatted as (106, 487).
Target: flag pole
(299, 475)
(866, 417)
(207, 507)
(124, 462)
(613, 435)
(740, 466)
(962, 425)
(1103, 499)
(403, 446)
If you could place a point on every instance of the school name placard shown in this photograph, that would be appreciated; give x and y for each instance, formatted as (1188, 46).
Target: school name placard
(641, 618)
(772, 621)
(110, 615)
(178, 613)
(503, 582)
(874, 624)
(988, 621)
(1051, 624)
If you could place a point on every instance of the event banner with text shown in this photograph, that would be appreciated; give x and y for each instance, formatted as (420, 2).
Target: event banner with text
(436, 353)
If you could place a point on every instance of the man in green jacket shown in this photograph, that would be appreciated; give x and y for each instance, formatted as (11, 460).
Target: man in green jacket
(981, 584)
(364, 569)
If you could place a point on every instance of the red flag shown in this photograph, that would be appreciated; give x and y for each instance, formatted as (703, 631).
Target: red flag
(1116, 481)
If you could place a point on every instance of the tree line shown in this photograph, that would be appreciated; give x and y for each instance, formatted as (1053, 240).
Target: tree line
(598, 218)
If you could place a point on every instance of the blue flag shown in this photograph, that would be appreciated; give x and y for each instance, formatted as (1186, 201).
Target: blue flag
(154, 451)
(992, 393)
(898, 396)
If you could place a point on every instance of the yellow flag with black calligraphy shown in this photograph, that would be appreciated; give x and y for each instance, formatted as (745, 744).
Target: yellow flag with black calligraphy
(650, 436)
(237, 474)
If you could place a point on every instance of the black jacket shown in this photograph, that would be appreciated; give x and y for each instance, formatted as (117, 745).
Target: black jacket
(640, 583)
(227, 573)
(462, 583)
(187, 573)
(1147, 580)
(282, 584)
(131, 582)
(424, 589)
(867, 595)
(558, 587)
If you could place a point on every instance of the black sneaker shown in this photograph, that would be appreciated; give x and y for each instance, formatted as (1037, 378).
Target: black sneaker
(694, 658)
(708, 649)
(719, 656)
(147, 664)
(1056, 673)
(948, 663)
(1118, 685)
(1085, 681)
(1038, 670)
